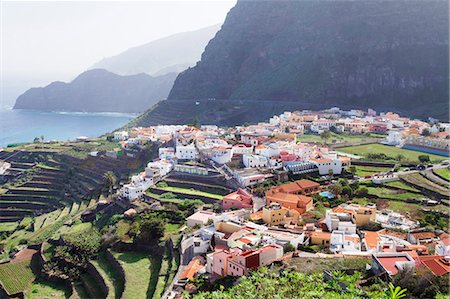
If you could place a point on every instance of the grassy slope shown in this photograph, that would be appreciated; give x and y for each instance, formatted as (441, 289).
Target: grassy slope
(190, 192)
(364, 150)
(137, 273)
(16, 277)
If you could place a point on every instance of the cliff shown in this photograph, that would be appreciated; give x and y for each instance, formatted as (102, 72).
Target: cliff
(99, 91)
(387, 55)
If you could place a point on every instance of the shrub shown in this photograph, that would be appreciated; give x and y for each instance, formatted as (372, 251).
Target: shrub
(362, 191)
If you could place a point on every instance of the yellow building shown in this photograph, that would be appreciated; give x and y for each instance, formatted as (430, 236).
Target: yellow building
(362, 215)
(275, 214)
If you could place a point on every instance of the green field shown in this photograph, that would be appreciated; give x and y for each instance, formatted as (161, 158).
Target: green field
(8, 226)
(190, 192)
(391, 151)
(443, 172)
(337, 138)
(403, 186)
(16, 277)
(418, 180)
(137, 273)
(111, 277)
(363, 171)
(392, 194)
(45, 290)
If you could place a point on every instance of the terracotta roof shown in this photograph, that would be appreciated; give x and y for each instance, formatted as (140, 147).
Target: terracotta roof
(307, 184)
(446, 241)
(322, 235)
(436, 263)
(191, 269)
(372, 239)
(424, 235)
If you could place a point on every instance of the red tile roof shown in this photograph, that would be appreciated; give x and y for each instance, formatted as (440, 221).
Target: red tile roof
(436, 263)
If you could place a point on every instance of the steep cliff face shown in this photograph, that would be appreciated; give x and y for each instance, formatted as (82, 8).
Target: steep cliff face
(389, 55)
(99, 91)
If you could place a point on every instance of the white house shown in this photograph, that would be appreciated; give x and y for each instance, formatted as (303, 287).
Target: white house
(186, 152)
(240, 149)
(120, 135)
(443, 247)
(340, 221)
(331, 162)
(254, 161)
(200, 218)
(341, 242)
(136, 188)
(394, 138)
(166, 153)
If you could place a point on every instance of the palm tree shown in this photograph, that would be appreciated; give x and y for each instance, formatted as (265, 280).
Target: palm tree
(395, 293)
(325, 135)
(110, 180)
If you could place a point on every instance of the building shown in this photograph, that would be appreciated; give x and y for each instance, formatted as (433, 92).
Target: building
(200, 218)
(342, 242)
(361, 215)
(254, 161)
(320, 238)
(391, 262)
(275, 214)
(293, 195)
(438, 264)
(239, 199)
(443, 246)
(340, 221)
(186, 152)
(331, 163)
(120, 135)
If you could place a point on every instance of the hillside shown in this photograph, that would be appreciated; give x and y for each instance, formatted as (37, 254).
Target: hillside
(99, 91)
(174, 53)
(387, 55)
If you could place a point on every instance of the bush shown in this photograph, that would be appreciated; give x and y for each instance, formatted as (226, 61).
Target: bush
(424, 158)
(87, 242)
(361, 191)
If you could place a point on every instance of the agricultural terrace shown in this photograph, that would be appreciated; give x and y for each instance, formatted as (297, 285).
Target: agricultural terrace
(391, 152)
(443, 173)
(45, 290)
(16, 277)
(137, 273)
(187, 191)
(363, 171)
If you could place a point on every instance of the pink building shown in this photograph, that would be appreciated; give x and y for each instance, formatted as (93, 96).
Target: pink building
(239, 199)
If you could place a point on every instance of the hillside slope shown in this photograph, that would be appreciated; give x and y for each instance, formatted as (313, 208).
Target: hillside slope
(99, 91)
(387, 55)
(174, 53)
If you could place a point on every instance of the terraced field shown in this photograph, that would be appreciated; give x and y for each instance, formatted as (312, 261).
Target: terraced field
(137, 273)
(16, 277)
(419, 181)
(443, 173)
(112, 279)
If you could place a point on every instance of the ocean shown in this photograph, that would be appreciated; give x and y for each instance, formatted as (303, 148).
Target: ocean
(18, 126)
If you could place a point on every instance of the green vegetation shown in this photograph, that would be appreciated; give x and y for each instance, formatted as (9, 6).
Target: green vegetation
(188, 191)
(45, 290)
(290, 284)
(390, 152)
(337, 138)
(392, 194)
(403, 186)
(137, 273)
(111, 277)
(363, 171)
(419, 181)
(8, 226)
(443, 173)
(16, 277)
(315, 265)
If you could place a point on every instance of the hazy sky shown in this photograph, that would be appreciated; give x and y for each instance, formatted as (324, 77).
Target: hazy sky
(58, 40)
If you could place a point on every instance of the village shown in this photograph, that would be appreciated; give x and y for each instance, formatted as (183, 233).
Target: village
(254, 226)
(181, 209)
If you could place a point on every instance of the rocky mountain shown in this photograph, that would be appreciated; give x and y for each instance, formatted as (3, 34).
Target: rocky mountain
(174, 53)
(99, 90)
(387, 55)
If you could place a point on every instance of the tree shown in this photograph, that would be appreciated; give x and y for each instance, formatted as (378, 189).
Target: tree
(42, 138)
(36, 140)
(426, 132)
(325, 135)
(151, 229)
(333, 129)
(352, 169)
(424, 158)
(330, 173)
(110, 180)
(400, 157)
(347, 190)
(361, 191)
(336, 189)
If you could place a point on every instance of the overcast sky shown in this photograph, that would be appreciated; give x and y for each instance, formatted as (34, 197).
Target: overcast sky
(58, 40)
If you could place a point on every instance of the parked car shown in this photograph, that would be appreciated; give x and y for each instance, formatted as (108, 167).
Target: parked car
(420, 167)
(445, 163)
(430, 165)
(368, 177)
(406, 169)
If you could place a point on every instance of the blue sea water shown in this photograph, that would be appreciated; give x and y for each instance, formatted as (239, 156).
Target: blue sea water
(18, 126)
